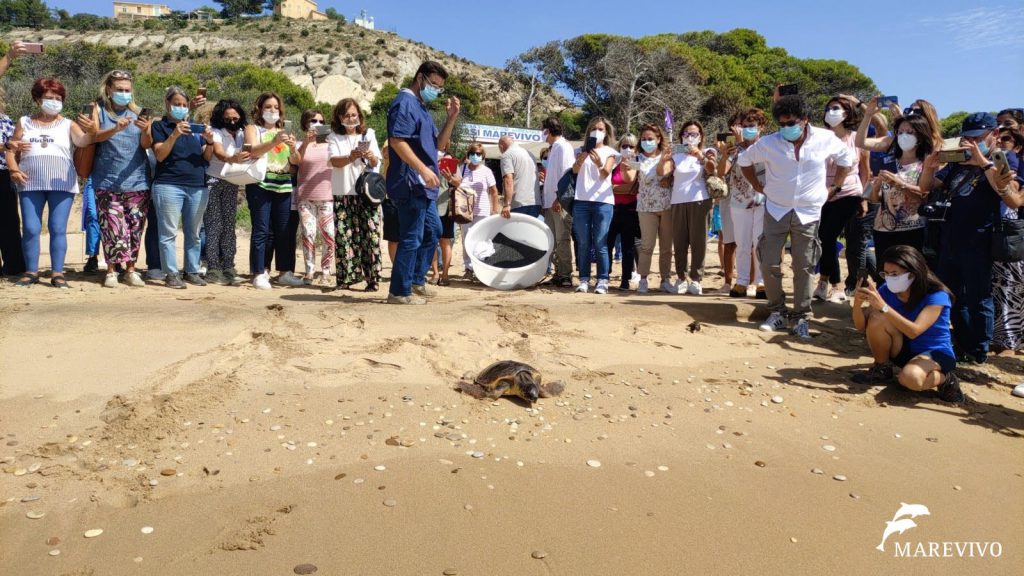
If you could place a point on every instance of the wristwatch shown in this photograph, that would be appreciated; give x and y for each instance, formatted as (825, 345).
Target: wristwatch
(885, 308)
(989, 166)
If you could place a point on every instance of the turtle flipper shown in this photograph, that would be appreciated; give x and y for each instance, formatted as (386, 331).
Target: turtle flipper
(473, 389)
(549, 389)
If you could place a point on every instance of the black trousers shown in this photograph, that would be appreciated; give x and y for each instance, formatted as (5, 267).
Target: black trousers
(12, 259)
(625, 223)
(834, 216)
(858, 233)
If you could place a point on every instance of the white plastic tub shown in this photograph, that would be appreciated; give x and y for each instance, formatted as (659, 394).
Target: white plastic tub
(522, 228)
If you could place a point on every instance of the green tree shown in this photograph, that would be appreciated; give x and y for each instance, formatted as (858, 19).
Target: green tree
(235, 8)
(333, 14)
(79, 66)
(951, 124)
(27, 13)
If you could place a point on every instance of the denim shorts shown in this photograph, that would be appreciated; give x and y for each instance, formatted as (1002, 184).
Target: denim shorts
(946, 362)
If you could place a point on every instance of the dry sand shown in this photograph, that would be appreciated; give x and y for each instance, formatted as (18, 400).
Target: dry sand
(245, 427)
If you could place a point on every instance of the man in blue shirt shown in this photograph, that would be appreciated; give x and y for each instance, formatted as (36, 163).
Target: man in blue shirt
(413, 179)
(978, 192)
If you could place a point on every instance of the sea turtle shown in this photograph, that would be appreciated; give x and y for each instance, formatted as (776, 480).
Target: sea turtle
(510, 378)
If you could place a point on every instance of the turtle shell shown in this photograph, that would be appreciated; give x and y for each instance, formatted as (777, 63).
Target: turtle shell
(503, 371)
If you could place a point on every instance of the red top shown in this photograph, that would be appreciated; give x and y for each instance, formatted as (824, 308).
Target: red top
(617, 180)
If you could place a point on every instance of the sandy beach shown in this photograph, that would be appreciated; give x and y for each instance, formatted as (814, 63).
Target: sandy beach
(255, 432)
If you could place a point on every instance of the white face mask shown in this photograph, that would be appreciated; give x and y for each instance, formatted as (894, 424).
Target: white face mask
(906, 141)
(271, 117)
(350, 125)
(835, 117)
(897, 284)
(52, 106)
(691, 139)
(598, 135)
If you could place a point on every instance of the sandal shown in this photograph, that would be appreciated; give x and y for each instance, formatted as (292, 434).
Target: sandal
(59, 282)
(27, 280)
(444, 281)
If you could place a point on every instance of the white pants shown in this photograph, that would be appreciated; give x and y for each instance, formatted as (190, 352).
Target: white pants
(747, 226)
(464, 230)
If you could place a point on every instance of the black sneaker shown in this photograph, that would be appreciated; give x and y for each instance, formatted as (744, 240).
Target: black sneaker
(877, 374)
(174, 281)
(949, 390)
(194, 279)
(92, 265)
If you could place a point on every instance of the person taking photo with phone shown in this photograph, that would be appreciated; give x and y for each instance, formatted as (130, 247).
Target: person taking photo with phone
(906, 322)
(179, 186)
(691, 203)
(352, 150)
(228, 123)
(978, 193)
(592, 207)
(746, 204)
(44, 174)
(120, 175)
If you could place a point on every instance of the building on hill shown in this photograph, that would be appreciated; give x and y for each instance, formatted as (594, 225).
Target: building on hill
(364, 20)
(299, 10)
(139, 11)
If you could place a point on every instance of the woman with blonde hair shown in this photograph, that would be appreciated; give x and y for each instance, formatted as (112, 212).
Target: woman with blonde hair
(270, 201)
(120, 175)
(592, 209)
(654, 206)
(353, 149)
(625, 224)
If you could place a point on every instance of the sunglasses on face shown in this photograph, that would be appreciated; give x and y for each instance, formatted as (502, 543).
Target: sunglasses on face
(911, 111)
(788, 124)
(1006, 139)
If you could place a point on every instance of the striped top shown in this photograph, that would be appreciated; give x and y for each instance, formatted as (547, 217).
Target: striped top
(279, 169)
(120, 163)
(6, 131)
(48, 162)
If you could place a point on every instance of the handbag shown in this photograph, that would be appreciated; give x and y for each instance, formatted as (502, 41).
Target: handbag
(717, 188)
(1007, 238)
(241, 173)
(463, 201)
(83, 158)
(567, 190)
(371, 187)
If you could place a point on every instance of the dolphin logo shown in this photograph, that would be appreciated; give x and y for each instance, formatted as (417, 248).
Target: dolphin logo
(898, 525)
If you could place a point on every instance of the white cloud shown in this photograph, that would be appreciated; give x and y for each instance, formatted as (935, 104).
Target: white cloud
(979, 28)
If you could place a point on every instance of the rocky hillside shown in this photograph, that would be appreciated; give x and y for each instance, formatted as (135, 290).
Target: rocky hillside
(331, 60)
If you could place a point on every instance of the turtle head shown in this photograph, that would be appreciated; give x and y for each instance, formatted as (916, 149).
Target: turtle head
(526, 387)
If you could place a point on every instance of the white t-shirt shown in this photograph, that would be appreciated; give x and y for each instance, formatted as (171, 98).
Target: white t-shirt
(343, 180)
(689, 185)
(231, 144)
(589, 185)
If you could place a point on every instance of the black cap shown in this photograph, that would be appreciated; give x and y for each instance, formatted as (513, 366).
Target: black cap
(978, 124)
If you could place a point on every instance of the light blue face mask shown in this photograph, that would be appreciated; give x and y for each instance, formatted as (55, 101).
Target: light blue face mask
(179, 112)
(121, 98)
(475, 159)
(751, 133)
(792, 133)
(648, 145)
(429, 92)
(983, 148)
(544, 162)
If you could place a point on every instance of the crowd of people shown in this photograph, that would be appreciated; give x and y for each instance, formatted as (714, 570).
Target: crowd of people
(937, 294)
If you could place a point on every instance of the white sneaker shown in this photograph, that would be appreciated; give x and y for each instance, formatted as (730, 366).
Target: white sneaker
(838, 296)
(1018, 390)
(802, 330)
(774, 323)
(261, 281)
(694, 288)
(111, 280)
(635, 277)
(602, 287)
(669, 287)
(134, 279)
(822, 291)
(202, 270)
(584, 287)
(289, 279)
(641, 286)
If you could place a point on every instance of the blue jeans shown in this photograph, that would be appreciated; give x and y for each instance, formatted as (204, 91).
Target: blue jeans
(966, 268)
(419, 229)
(90, 219)
(529, 211)
(59, 204)
(270, 213)
(187, 203)
(590, 223)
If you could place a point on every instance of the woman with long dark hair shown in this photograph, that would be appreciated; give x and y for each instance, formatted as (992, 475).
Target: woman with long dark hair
(907, 325)
(228, 122)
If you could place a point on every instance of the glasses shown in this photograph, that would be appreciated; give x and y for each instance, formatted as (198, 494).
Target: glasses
(120, 75)
(1006, 139)
(911, 111)
(885, 274)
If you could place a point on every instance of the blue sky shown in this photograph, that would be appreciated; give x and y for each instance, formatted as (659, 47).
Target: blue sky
(960, 57)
